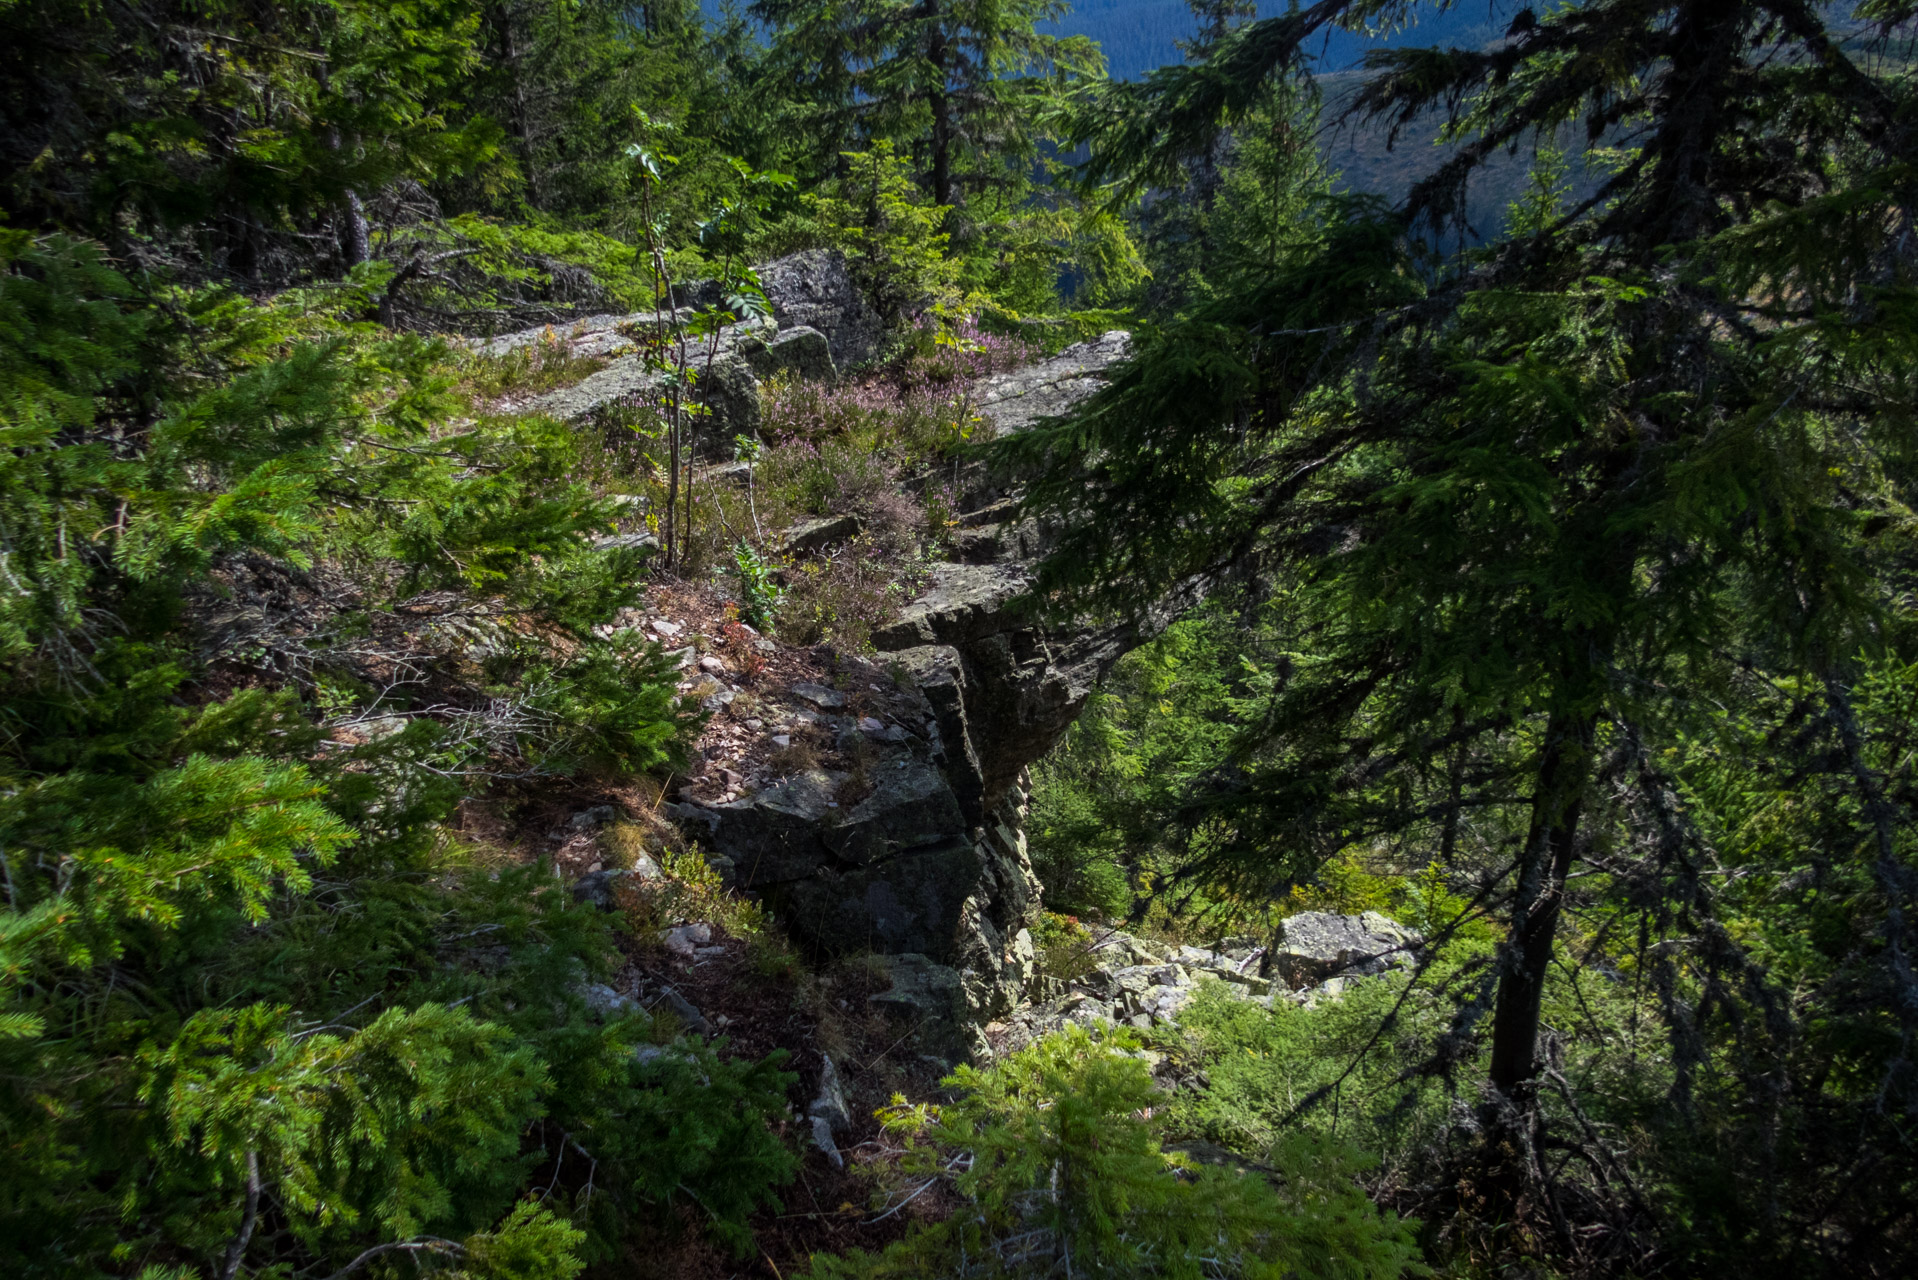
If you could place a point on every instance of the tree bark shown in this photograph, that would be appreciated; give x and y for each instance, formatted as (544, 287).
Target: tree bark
(1512, 1171)
(521, 116)
(1563, 771)
(941, 110)
(249, 1216)
(357, 243)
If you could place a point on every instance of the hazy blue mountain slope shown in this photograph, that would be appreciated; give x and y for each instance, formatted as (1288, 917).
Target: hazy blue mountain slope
(1138, 35)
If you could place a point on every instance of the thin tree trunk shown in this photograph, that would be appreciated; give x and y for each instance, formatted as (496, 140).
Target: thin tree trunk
(1455, 794)
(249, 1216)
(665, 313)
(356, 238)
(1511, 1118)
(357, 243)
(1563, 771)
(941, 111)
(521, 121)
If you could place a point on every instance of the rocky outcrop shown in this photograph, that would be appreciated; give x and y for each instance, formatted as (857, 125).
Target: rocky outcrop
(1133, 982)
(1316, 946)
(1002, 687)
(725, 377)
(913, 844)
(876, 850)
(820, 324)
(1014, 400)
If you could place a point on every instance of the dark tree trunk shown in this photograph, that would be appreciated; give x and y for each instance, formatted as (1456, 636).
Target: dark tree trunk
(1511, 1119)
(520, 120)
(941, 113)
(356, 242)
(1563, 771)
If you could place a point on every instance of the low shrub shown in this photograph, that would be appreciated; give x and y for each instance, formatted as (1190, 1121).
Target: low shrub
(1061, 1173)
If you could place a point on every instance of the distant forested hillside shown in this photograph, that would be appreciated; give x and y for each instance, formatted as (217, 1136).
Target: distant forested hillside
(1138, 35)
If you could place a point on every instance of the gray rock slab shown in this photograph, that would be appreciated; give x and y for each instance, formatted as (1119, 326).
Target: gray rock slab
(822, 1138)
(1014, 400)
(596, 335)
(693, 1019)
(604, 1002)
(772, 836)
(927, 1002)
(909, 808)
(600, 888)
(1316, 945)
(802, 352)
(819, 695)
(627, 377)
(811, 535)
(915, 901)
(830, 1104)
(961, 603)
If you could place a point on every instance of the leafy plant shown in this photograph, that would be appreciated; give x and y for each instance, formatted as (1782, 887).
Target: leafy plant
(762, 596)
(1057, 1167)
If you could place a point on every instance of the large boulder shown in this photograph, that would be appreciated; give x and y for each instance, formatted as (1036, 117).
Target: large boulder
(1315, 946)
(1003, 687)
(927, 1002)
(724, 383)
(917, 849)
(801, 351)
(816, 289)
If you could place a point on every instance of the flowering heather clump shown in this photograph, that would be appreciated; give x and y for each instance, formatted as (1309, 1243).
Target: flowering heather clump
(921, 418)
(840, 476)
(962, 355)
(815, 411)
(843, 596)
(923, 401)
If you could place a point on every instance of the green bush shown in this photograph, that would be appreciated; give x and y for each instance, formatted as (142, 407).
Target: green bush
(258, 1014)
(1057, 1170)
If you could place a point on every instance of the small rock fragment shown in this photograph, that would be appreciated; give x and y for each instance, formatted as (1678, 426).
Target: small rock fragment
(869, 725)
(605, 1002)
(597, 816)
(819, 695)
(600, 888)
(712, 664)
(667, 629)
(684, 939)
(681, 1006)
(831, 1104)
(822, 1135)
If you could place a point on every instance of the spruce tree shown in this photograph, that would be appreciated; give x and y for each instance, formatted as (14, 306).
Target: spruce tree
(958, 82)
(1532, 502)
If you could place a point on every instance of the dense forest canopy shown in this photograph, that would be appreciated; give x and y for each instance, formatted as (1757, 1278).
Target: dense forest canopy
(1544, 583)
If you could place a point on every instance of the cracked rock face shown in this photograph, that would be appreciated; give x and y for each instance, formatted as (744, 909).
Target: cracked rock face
(815, 289)
(923, 857)
(724, 379)
(1316, 945)
(1016, 399)
(1002, 687)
